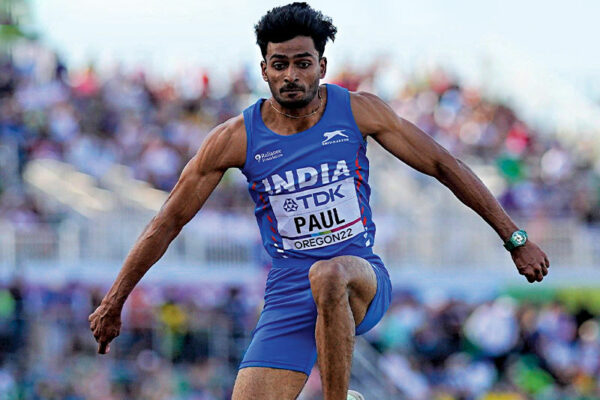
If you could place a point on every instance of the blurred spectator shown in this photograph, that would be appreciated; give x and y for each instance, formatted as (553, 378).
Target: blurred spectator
(154, 126)
(493, 350)
(175, 344)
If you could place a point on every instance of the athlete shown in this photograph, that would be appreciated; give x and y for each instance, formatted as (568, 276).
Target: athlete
(303, 154)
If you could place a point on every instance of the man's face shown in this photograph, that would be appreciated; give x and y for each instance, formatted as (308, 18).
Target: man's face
(293, 70)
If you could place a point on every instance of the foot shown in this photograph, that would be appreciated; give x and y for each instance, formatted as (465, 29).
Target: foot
(353, 395)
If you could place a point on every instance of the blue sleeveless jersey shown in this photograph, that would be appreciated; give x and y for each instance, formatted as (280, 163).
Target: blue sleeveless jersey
(311, 188)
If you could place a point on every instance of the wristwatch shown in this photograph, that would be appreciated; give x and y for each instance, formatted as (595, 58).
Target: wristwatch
(517, 239)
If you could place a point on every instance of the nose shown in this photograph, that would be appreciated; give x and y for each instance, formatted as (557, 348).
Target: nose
(290, 74)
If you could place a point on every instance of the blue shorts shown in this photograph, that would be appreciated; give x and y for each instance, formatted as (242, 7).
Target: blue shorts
(285, 334)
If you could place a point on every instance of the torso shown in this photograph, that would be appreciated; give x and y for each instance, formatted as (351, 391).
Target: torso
(309, 180)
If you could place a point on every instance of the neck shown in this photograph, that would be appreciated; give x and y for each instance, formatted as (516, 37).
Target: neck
(286, 125)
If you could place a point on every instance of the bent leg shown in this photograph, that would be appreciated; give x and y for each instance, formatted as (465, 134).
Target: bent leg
(268, 384)
(342, 287)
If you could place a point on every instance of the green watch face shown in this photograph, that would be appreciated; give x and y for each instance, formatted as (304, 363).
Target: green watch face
(518, 238)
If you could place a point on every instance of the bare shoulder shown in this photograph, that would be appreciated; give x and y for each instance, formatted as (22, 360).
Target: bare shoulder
(231, 132)
(225, 146)
(364, 99)
(371, 113)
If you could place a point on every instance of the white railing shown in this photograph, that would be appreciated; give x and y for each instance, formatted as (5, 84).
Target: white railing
(212, 239)
(424, 225)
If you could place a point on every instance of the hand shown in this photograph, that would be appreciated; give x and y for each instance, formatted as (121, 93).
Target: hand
(531, 261)
(105, 323)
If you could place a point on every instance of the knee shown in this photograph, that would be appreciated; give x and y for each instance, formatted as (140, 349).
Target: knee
(328, 282)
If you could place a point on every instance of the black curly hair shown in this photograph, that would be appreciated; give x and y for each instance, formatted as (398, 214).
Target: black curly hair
(296, 19)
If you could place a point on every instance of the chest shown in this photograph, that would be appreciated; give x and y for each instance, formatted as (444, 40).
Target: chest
(310, 159)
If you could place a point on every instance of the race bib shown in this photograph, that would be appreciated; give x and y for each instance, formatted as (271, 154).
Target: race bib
(318, 217)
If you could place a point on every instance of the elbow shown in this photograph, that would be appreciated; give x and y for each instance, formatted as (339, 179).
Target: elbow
(162, 228)
(447, 167)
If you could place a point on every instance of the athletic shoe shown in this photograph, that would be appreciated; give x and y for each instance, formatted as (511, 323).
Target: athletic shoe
(353, 395)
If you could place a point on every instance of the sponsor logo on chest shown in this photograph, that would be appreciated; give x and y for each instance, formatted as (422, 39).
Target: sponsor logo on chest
(337, 136)
(268, 155)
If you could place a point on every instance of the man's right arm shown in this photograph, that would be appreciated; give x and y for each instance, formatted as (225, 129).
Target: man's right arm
(225, 147)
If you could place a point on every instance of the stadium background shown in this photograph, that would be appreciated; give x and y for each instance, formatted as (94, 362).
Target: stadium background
(91, 144)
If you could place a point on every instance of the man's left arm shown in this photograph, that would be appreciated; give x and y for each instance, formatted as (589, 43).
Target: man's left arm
(417, 149)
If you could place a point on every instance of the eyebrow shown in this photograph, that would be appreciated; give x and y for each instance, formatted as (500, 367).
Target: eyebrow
(300, 55)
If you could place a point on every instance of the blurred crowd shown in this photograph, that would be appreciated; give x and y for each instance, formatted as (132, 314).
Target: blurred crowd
(497, 349)
(185, 343)
(175, 343)
(152, 125)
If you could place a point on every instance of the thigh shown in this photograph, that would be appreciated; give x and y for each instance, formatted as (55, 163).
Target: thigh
(268, 384)
(284, 336)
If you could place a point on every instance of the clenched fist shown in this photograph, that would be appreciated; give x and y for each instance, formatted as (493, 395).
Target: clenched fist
(105, 323)
(531, 261)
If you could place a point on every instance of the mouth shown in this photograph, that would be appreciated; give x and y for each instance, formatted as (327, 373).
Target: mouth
(291, 91)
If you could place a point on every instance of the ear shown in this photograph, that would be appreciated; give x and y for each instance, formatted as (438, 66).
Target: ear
(323, 66)
(263, 70)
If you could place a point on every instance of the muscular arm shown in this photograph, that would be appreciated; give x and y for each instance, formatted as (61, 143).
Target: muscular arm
(417, 149)
(225, 147)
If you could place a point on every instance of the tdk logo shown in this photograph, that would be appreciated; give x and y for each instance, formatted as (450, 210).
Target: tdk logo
(290, 205)
(330, 137)
(314, 199)
(321, 198)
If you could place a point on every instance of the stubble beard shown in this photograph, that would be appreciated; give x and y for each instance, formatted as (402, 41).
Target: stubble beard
(309, 95)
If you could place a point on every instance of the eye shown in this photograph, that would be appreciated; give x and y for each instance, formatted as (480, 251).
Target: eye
(304, 64)
(279, 66)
